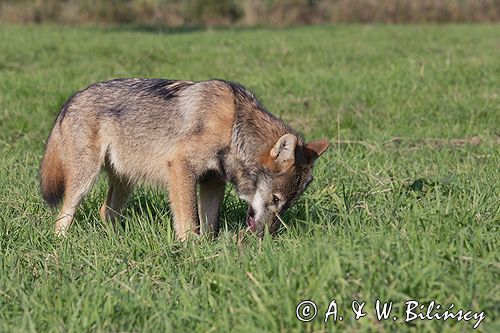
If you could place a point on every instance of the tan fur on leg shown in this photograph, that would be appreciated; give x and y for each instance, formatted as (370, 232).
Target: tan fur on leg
(211, 196)
(182, 191)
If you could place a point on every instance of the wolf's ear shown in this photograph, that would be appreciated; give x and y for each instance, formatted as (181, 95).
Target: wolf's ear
(316, 148)
(283, 152)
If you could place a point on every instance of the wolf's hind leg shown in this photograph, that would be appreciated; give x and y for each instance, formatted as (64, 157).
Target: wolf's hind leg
(78, 184)
(211, 196)
(118, 194)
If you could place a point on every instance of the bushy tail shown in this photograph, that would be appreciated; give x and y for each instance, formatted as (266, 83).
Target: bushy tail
(52, 173)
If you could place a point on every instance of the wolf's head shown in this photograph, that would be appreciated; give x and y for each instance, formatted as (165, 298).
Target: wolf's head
(287, 171)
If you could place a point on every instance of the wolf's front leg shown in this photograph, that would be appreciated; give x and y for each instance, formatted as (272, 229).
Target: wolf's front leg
(182, 194)
(211, 195)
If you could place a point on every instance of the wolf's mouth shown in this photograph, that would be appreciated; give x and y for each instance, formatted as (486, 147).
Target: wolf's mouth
(251, 223)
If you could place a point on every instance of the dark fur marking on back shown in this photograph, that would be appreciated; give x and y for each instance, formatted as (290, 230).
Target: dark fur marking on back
(116, 111)
(64, 108)
(166, 89)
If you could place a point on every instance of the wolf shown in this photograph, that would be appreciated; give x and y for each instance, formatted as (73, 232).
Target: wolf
(185, 136)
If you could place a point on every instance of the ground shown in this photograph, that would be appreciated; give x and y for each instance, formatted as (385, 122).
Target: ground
(405, 204)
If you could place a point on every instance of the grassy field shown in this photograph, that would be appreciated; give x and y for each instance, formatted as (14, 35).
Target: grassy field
(405, 205)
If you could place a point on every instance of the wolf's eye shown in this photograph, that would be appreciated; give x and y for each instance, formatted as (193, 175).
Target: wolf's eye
(276, 200)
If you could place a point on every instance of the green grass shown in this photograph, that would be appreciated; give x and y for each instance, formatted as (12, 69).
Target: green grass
(399, 209)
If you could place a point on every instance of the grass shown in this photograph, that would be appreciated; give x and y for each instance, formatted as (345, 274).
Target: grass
(405, 205)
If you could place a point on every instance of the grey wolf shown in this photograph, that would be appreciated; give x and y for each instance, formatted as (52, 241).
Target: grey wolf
(188, 137)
